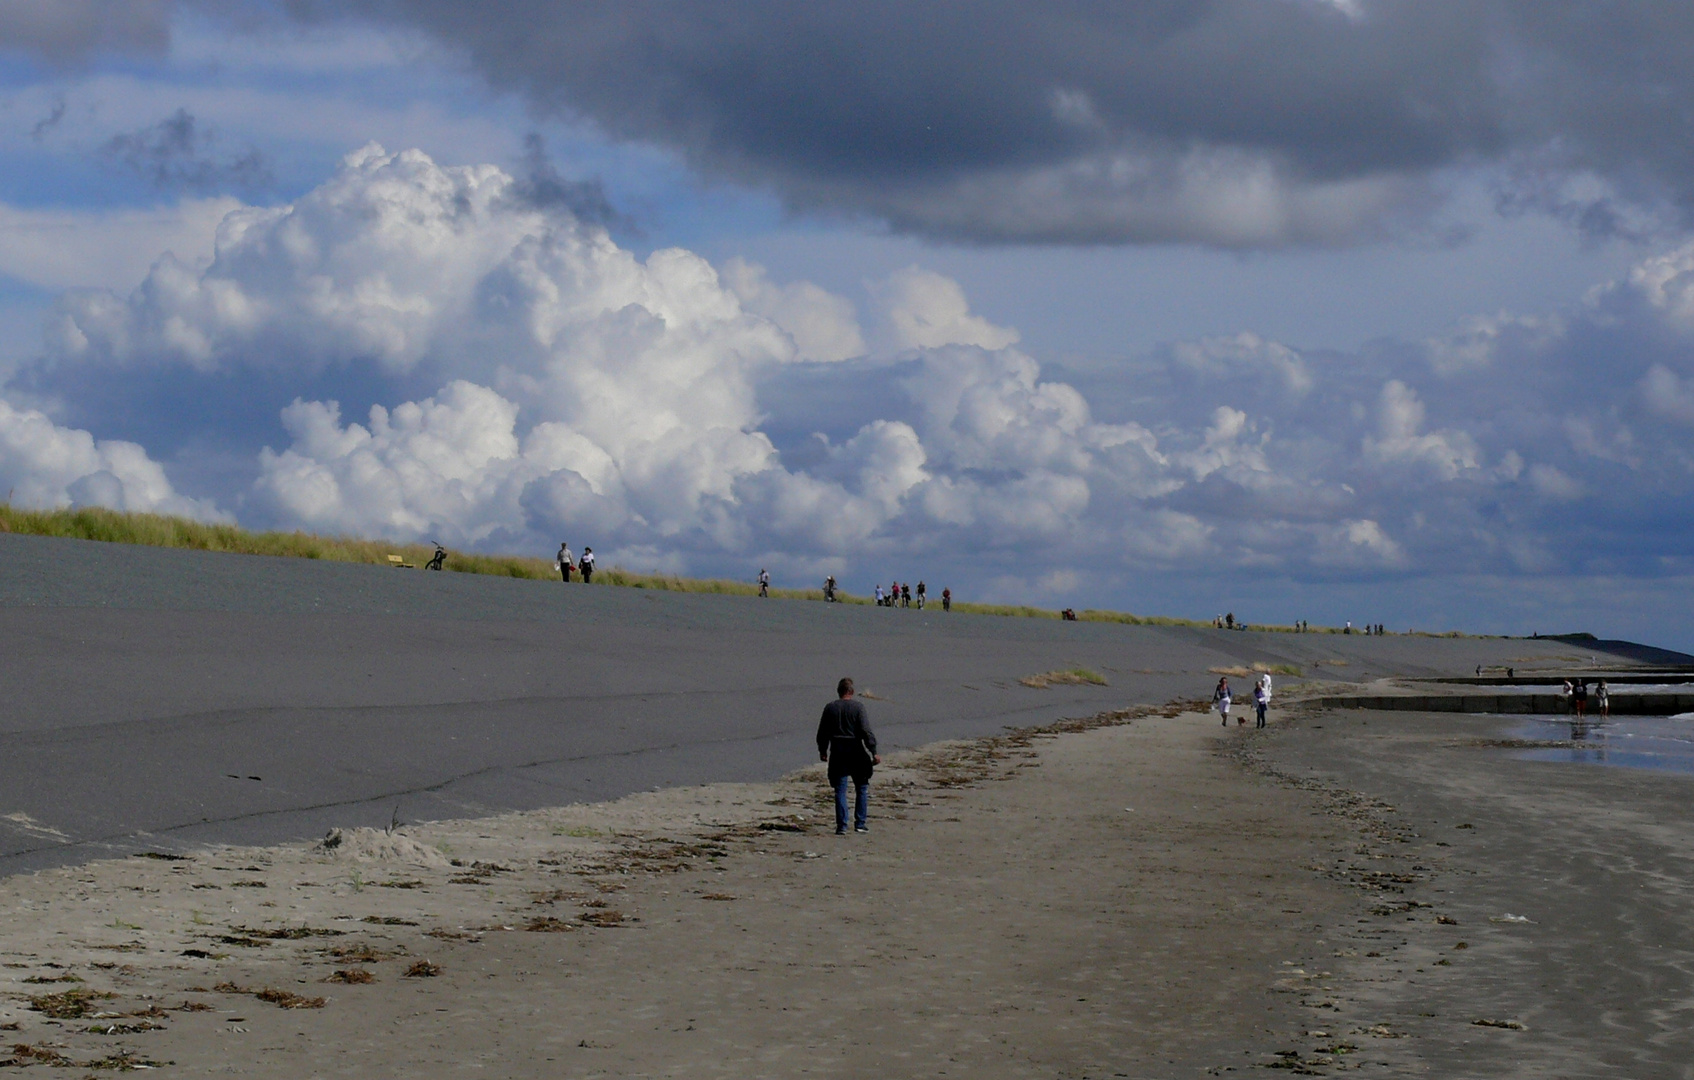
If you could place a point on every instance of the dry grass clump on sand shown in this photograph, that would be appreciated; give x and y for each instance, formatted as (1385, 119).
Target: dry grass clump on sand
(1077, 676)
(1259, 668)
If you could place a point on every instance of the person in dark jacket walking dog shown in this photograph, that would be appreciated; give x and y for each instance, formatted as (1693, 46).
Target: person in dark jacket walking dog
(846, 741)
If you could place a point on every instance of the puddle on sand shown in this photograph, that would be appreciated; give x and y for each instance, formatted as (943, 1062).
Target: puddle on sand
(1661, 743)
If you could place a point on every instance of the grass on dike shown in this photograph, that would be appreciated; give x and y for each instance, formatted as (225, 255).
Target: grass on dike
(157, 530)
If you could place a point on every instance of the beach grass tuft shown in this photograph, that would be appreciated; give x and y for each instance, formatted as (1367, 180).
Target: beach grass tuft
(1076, 676)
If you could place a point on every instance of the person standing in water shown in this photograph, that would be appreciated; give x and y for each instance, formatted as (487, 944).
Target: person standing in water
(847, 743)
(1603, 698)
(1220, 698)
(1579, 697)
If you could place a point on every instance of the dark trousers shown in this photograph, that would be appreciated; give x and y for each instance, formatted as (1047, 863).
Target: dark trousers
(861, 801)
(587, 574)
(1261, 706)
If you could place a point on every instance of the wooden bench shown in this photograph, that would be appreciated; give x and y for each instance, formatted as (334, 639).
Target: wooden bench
(399, 563)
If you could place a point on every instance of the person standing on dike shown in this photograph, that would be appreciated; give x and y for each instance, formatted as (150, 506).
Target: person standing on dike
(946, 599)
(847, 743)
(566, 561)
(921, 593)
(1220, 698)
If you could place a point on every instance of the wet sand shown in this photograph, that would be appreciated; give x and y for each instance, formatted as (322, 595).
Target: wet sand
(1535, 918)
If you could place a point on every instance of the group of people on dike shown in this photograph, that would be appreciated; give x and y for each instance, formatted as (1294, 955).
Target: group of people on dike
(567, 564)
(1223, 697)
(896, 595)
(1301, 626)
(899, 595)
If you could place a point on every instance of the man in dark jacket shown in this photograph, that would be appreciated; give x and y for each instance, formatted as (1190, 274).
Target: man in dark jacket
(846, 741)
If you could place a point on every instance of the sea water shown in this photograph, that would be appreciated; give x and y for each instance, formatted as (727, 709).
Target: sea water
(1662, 743)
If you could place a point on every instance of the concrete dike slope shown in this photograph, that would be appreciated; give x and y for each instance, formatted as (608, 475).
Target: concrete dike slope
(162, 698)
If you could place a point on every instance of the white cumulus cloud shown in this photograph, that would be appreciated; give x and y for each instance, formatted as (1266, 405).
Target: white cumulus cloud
(46, 466)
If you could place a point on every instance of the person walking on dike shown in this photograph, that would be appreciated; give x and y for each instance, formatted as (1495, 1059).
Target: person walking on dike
(921, 593)
(847, 743)
(1603, 698)
(566, 562)
(586, 564)
(764, 582)
(906, 595)
(829, 589)
(1220, 698)
(946, 599)
(879, 594)
(1261, 701)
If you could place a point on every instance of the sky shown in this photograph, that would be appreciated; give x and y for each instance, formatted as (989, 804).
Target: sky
(1368, 310)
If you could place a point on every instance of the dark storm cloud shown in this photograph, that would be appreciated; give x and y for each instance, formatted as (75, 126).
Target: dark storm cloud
(1244, 123)
(540, 185)
(62, 30)
(177, 153)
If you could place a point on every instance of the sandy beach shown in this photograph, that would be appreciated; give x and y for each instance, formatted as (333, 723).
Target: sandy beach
(1139, 894)
(1117, 897)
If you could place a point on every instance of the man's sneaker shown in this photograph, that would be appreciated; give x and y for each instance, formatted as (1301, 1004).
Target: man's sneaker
(860, 828)
(840, 832)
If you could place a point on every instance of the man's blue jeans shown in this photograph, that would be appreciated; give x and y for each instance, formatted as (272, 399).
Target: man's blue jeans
(861, 803)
